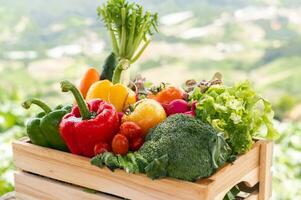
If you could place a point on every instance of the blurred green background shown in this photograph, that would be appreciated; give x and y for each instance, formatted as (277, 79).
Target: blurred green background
(44, 42)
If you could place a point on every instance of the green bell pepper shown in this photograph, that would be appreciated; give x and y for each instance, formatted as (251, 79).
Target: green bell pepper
(43, 129)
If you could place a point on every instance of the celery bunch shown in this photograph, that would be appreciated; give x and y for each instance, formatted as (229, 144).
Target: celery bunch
(130, 29)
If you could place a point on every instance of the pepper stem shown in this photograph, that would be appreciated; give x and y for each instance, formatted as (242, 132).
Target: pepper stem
(66, 86)
(26, 104)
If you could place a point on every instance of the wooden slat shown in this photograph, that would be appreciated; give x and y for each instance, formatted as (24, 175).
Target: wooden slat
(34, 187)
(250, 179)
(244, 169)
(78, 171)
(9, 196)
(253, 196)
(265, 174)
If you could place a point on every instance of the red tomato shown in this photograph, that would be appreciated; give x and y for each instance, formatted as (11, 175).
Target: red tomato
(130, 130)
(136, 143)
(100, 148)
(120, 144)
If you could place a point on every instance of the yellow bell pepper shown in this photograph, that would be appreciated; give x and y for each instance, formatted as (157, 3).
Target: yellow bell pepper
(99, 89)
(131, 98)
(118, 95)
(147, 114)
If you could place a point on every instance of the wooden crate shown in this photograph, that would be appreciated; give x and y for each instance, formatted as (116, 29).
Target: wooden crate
(54, 175)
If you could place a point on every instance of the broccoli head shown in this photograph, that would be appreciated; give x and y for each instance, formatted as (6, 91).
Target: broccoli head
(185, 148)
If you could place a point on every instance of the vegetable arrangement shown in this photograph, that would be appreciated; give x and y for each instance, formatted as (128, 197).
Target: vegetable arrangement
(185, 133)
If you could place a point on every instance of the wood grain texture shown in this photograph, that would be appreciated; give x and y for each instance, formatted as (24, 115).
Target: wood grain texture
(9, 196)
(265, 174)
(244, 169)
(253, 196)
(34, 187)
(77, 170)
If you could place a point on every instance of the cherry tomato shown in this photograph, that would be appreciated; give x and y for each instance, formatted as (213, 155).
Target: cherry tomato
(130, 130)
(136, 143)
(100, 148)
(120, 144)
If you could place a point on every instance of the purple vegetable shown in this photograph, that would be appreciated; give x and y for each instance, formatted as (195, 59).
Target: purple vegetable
(177, 106)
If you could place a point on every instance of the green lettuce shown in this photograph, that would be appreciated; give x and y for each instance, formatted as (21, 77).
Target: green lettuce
(238, 112)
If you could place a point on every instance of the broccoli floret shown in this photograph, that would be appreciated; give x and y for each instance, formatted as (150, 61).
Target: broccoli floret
(194, 149)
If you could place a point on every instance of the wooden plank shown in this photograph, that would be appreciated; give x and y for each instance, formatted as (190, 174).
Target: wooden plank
(265, 173)
(77, 170)
(244, 169)
(9, 196)
(34, 187)
(253, 196)
(250, 179)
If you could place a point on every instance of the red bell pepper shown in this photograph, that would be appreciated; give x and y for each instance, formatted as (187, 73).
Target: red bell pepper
(88, 124)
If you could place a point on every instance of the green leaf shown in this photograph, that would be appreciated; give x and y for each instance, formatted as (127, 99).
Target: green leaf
(157, 168)
(90, 191)
(141, 162)
(232, 193)
(97, 160)
(128, 163)
(110, 160)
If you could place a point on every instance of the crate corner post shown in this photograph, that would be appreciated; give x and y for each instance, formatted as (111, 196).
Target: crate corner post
(265, 173)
